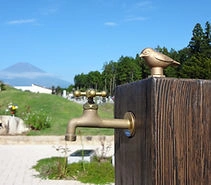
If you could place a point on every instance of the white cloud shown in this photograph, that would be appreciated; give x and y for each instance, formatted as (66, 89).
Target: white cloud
(144, 4)
(30, 75)
(110, 24)
(21, 21)
(135, 19)
(49, 11)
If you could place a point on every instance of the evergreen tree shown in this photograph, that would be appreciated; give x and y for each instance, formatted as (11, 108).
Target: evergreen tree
(207, 34)
(195, 67)
(198, 61)
(197, 40)
(207, 40)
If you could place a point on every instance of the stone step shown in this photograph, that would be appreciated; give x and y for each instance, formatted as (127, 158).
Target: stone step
(91, 140)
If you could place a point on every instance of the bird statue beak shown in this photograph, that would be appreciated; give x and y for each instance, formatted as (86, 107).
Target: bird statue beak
(141, 55)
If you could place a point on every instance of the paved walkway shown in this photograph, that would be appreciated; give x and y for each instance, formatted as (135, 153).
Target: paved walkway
(16, 161)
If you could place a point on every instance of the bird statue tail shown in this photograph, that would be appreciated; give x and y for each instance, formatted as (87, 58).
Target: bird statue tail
(175, 63)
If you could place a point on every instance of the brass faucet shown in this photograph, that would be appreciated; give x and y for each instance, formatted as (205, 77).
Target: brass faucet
(90, 117)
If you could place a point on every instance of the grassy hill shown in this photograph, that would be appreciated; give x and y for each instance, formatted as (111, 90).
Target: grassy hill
(58, 108)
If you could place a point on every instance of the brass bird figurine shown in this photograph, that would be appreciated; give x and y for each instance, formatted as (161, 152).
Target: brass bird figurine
(157, 61)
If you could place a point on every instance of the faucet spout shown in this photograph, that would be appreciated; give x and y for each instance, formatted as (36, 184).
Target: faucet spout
(90, 118)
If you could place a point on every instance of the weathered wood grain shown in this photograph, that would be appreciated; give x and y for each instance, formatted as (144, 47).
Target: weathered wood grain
(172, 145)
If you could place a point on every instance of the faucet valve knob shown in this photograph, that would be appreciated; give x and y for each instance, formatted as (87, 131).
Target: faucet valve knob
(90, 93)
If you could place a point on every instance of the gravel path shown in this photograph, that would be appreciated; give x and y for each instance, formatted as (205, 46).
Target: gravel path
(16, 161)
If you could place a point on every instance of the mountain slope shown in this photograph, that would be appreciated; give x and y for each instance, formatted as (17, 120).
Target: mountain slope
(25, 74)
(22, 67)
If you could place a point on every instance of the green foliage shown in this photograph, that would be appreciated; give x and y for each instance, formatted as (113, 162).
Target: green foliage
(91, 80)
(109, 76)
(197, 40)
(2, 86)
(127, 70)
(94, 79)
(94, 172)
(145, 70)
(197, 67)
(52, 168)
(37, 120)
(81, 81)
(198, 61)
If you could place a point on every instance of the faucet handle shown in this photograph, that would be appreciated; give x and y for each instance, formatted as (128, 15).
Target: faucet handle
(90, 93)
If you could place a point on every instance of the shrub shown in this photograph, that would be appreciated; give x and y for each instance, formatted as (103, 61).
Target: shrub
(37, 120)
(93, 172)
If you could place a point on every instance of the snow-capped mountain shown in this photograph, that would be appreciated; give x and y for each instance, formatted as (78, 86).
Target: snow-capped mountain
(25, 74)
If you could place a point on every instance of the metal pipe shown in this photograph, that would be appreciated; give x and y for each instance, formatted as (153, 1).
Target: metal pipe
(90, 118)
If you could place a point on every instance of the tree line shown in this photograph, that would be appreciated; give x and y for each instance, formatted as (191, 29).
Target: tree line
(195, 60)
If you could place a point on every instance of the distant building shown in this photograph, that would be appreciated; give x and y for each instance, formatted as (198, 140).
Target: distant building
(35, 88)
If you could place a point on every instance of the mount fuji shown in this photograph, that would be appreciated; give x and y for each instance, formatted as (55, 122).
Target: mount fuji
(25, 74)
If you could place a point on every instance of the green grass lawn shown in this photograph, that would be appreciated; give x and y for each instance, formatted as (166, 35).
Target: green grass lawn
(94, 172)
(58, 108)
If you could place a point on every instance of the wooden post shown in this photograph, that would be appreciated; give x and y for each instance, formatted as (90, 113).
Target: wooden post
(172, 144)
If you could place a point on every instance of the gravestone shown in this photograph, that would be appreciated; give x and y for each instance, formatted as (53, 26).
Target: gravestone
(12, 125)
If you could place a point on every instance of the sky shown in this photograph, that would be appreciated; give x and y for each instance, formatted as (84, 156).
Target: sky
(69, 37)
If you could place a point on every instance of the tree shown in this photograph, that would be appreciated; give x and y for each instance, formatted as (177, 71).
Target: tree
(198, 61)
(197, 40)
(194, 67)
(109, 76)
(81, 81)
(70, 88)
(53, 90)
(94, 80)
(58, 90)
(145, 70)
(170, 71)
(195, 60)
(207, 40)
(91, 80)
(2, 86)
(128, 70)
